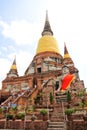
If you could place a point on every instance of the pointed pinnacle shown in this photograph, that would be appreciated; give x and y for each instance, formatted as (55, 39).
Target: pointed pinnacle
(47, 28)
(13, 67)
(66, 54)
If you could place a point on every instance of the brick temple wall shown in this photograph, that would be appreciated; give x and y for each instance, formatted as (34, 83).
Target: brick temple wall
(40, 125)
(77, 125)
(28, 125)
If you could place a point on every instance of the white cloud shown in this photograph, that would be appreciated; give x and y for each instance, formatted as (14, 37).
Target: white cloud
(4, 48)
(22, 32)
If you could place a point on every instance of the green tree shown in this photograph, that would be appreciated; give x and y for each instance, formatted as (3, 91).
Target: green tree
(68, 96)
(51, 97)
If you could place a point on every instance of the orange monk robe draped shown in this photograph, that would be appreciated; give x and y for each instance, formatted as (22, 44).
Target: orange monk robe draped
(67, 81)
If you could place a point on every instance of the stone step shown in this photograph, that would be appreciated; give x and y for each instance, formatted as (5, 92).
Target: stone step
(62, 96)
(55, 129)
(56, 126)
(61, 100)
(56, 123)
(57, 120)
(61, 123)
(58, 113)
(57, 117)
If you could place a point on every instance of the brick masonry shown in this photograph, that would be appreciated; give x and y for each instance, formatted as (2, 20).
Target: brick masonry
(40, 125)
(28, 125)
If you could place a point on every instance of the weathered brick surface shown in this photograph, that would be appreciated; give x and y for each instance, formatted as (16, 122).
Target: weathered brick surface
(77, 125)
(2, 124)
(40, 125)
(85, 125)
(28, 125)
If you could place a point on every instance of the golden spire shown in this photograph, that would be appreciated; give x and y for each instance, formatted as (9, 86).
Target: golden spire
(13, 71)
(47, 43)
(14, 64)
(47, 28)
(66, 54)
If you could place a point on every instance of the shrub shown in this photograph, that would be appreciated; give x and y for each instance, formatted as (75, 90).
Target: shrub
(51, 97)
(68, 96)
(9, 116)
(20, 115)
(81, 93)
(1, 109)
(43, 112)
(69, 111)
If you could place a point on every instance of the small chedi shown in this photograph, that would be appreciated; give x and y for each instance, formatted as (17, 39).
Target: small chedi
(49, 90)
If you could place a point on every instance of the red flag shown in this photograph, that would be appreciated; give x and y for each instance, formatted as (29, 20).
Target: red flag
(67, 81)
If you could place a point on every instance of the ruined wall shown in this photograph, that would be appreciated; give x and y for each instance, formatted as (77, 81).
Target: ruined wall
(77, 125)
(28, 125)
(40, 125)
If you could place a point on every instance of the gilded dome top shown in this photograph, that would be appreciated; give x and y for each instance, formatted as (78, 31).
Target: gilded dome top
(47, 43)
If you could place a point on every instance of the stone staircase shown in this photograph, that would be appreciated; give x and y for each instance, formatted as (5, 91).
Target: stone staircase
(14, 98)
(57, 120)
(57, 117)
(56, 126)
(61, 97)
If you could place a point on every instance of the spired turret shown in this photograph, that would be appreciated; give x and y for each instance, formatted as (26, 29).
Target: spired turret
(13, 70)
(66, 54)
(68, 62)
(47, 28)
(47, 49)
(47, 42)
(67, 58)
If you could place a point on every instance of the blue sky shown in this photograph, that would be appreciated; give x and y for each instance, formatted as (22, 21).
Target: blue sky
(21, 24)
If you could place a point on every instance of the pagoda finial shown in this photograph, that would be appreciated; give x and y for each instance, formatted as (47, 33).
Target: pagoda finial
(14, 62)
(67, 59)
(66, 54)
(13, 70)
(47, 15)
(47, 28)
